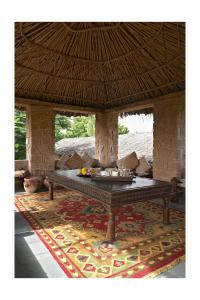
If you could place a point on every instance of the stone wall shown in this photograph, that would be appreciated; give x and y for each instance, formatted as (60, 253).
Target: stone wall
(40, 139)
(169, 139)
(21, 164)
(106, 137)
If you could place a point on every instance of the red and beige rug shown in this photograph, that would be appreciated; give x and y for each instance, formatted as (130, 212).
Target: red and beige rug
(73, 229)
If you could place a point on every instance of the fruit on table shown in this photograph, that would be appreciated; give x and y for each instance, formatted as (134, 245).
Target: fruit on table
(93, 171)
(84, 171)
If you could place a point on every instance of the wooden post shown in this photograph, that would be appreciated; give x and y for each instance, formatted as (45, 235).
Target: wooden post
(50, 190)
(110, 235)
(40, 139)
(106, 137)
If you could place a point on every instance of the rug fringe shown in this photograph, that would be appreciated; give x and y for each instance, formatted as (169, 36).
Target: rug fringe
(166, 268)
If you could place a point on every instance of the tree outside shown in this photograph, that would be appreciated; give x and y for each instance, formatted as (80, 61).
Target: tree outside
(20, 135)
(62, 126)
(79, 127)
(122, 129)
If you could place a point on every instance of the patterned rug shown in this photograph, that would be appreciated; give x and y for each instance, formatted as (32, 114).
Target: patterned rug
(73, 228)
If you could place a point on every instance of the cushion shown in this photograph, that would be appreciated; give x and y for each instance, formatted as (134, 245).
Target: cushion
(75, 162)
(61, 164)
(21, 173)
(128, 162)
(143, 166)
(86, 157)
(92, 163)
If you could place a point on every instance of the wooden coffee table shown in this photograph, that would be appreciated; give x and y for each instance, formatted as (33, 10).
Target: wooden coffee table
(113, 194)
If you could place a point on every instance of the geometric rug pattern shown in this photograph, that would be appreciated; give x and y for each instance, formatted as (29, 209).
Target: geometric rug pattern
(73, 228)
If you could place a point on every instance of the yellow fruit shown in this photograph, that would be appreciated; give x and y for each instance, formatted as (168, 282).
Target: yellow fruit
(84, 171)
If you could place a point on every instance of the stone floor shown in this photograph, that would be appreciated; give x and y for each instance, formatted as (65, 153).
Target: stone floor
(33, 260)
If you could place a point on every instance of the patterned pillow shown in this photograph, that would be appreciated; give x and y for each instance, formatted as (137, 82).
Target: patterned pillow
(92, 163)
(21, 173)
(128, 162)
(86, 157)
(61, 164)
(143, 167)
(75, 162)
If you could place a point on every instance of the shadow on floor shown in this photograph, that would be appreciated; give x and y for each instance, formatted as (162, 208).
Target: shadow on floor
(26, 264)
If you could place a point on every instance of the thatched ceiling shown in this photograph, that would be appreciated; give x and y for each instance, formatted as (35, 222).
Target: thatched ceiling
(99, 65)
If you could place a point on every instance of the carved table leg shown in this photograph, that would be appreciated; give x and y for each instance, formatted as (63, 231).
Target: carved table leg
(50, 190)
(166, 217)
(110, 235)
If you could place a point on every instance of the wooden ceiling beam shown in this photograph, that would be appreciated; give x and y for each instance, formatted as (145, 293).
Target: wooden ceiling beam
(137, 106)
(23, 102)
(143, 104)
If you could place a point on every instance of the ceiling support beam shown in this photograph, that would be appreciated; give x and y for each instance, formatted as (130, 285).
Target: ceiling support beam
(143, 104)
(23, 102)
(137, 106)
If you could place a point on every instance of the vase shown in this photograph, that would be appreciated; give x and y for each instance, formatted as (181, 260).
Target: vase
(31, 184)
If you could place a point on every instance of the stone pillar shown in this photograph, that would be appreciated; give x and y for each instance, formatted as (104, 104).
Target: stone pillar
(106, 137)
(169, 139)
(40, 142)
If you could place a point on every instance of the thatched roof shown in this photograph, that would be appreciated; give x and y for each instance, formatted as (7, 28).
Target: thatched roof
(98, 65)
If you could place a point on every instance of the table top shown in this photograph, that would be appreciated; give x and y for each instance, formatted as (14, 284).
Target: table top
(110, 187)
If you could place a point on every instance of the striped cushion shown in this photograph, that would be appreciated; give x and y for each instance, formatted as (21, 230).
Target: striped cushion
(75, 161)
(128, 162)
(61, 164)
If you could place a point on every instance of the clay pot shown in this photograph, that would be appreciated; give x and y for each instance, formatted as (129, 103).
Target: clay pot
(31, 184)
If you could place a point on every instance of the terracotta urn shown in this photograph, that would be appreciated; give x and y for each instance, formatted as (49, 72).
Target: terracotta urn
(31, 184)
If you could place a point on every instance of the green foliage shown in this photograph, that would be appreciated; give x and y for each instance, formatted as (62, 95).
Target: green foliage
(79, 127)
(91, 125)
(62, 126)
(122, 129)
(20, 135)
(66, 127)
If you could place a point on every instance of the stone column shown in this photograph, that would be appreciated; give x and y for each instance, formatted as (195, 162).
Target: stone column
(106, 137)
(169, 139)
(40, 140)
